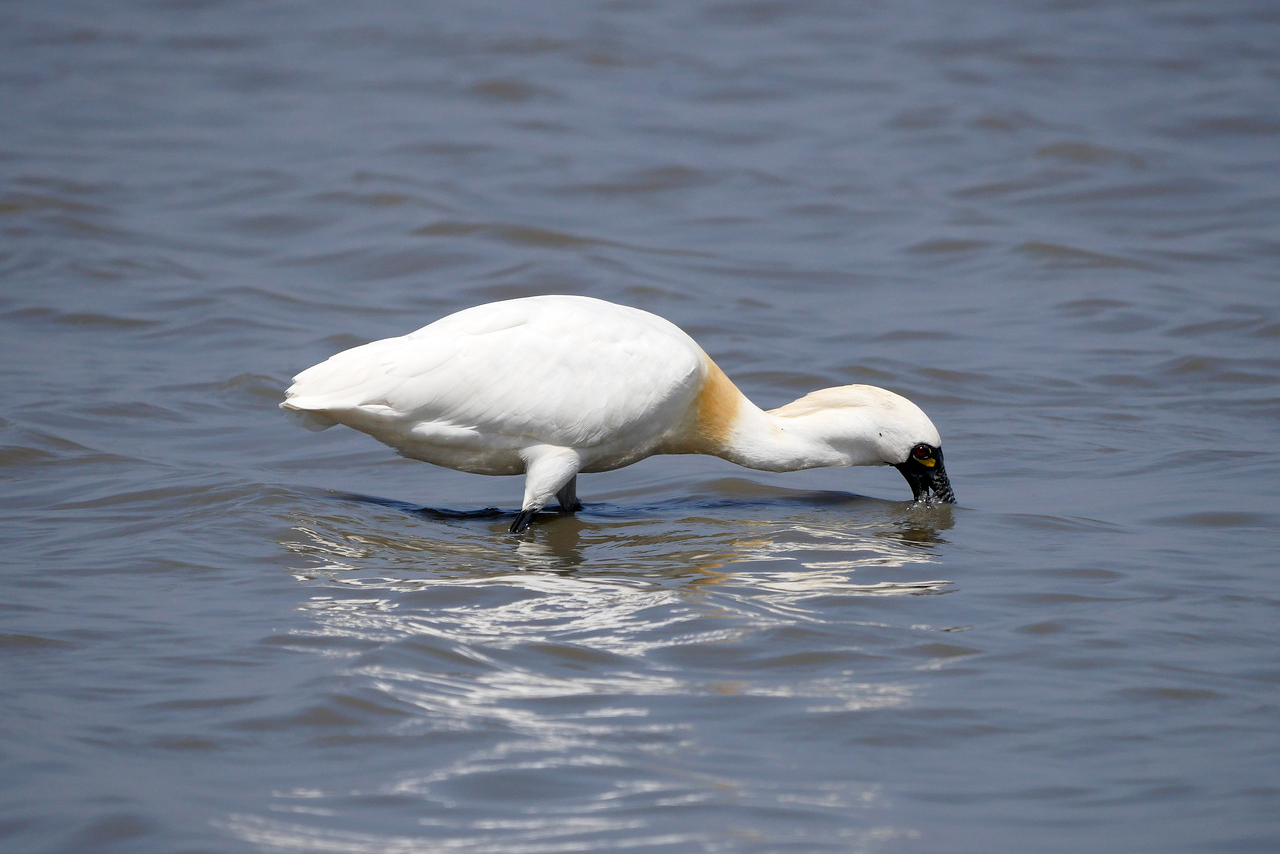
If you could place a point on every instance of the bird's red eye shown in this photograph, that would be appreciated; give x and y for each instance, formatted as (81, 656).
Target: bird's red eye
(921, 452)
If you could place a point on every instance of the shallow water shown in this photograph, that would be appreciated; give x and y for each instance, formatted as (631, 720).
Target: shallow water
(1053, 225)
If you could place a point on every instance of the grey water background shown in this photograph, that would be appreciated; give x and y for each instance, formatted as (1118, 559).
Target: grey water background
(1052, 224)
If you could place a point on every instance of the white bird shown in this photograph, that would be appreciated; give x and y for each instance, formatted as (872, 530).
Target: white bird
(550, 386)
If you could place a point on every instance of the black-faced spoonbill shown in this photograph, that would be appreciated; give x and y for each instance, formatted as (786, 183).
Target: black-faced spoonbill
(550, 386)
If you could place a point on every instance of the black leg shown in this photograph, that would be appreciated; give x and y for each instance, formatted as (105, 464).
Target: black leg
(523, 518)
(568, 496)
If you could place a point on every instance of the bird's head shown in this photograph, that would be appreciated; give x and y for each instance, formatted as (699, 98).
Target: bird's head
(867, 425)
(908, 441)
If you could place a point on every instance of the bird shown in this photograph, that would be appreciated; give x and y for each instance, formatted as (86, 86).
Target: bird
(551, 386)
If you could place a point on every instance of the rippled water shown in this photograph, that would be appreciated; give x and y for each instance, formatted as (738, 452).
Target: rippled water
(1052, 224)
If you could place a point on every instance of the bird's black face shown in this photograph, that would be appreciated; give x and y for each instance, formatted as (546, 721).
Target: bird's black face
(924, 472)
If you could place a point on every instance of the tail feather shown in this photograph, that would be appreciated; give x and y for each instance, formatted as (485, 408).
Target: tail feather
(313, 421)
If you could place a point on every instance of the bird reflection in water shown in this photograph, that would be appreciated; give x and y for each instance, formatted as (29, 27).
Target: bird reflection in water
(815, 542)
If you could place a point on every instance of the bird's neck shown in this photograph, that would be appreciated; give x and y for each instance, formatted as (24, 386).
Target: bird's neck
(772, 442)
(723, 422)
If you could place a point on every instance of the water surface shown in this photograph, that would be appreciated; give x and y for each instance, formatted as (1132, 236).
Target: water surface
(1051, 224)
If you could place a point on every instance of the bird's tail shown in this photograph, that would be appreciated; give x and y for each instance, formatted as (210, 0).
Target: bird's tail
(313, 421)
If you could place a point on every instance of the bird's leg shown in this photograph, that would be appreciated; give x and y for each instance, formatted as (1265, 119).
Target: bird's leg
(568, 496)
(522, 520)
(569, 503)
(549, 471)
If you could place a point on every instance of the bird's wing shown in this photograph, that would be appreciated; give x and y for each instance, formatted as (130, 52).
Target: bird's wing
(561, 371)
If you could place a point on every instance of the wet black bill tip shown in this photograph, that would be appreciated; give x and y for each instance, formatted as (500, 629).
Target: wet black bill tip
(941, 485)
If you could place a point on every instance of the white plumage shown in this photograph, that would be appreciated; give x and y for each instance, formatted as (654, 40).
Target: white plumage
(550, 386)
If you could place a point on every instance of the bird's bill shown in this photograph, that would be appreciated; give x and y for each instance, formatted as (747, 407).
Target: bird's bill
(925, 479)
(941, 486)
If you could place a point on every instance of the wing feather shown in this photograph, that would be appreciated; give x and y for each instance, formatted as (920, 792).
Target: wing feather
(564, 371)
